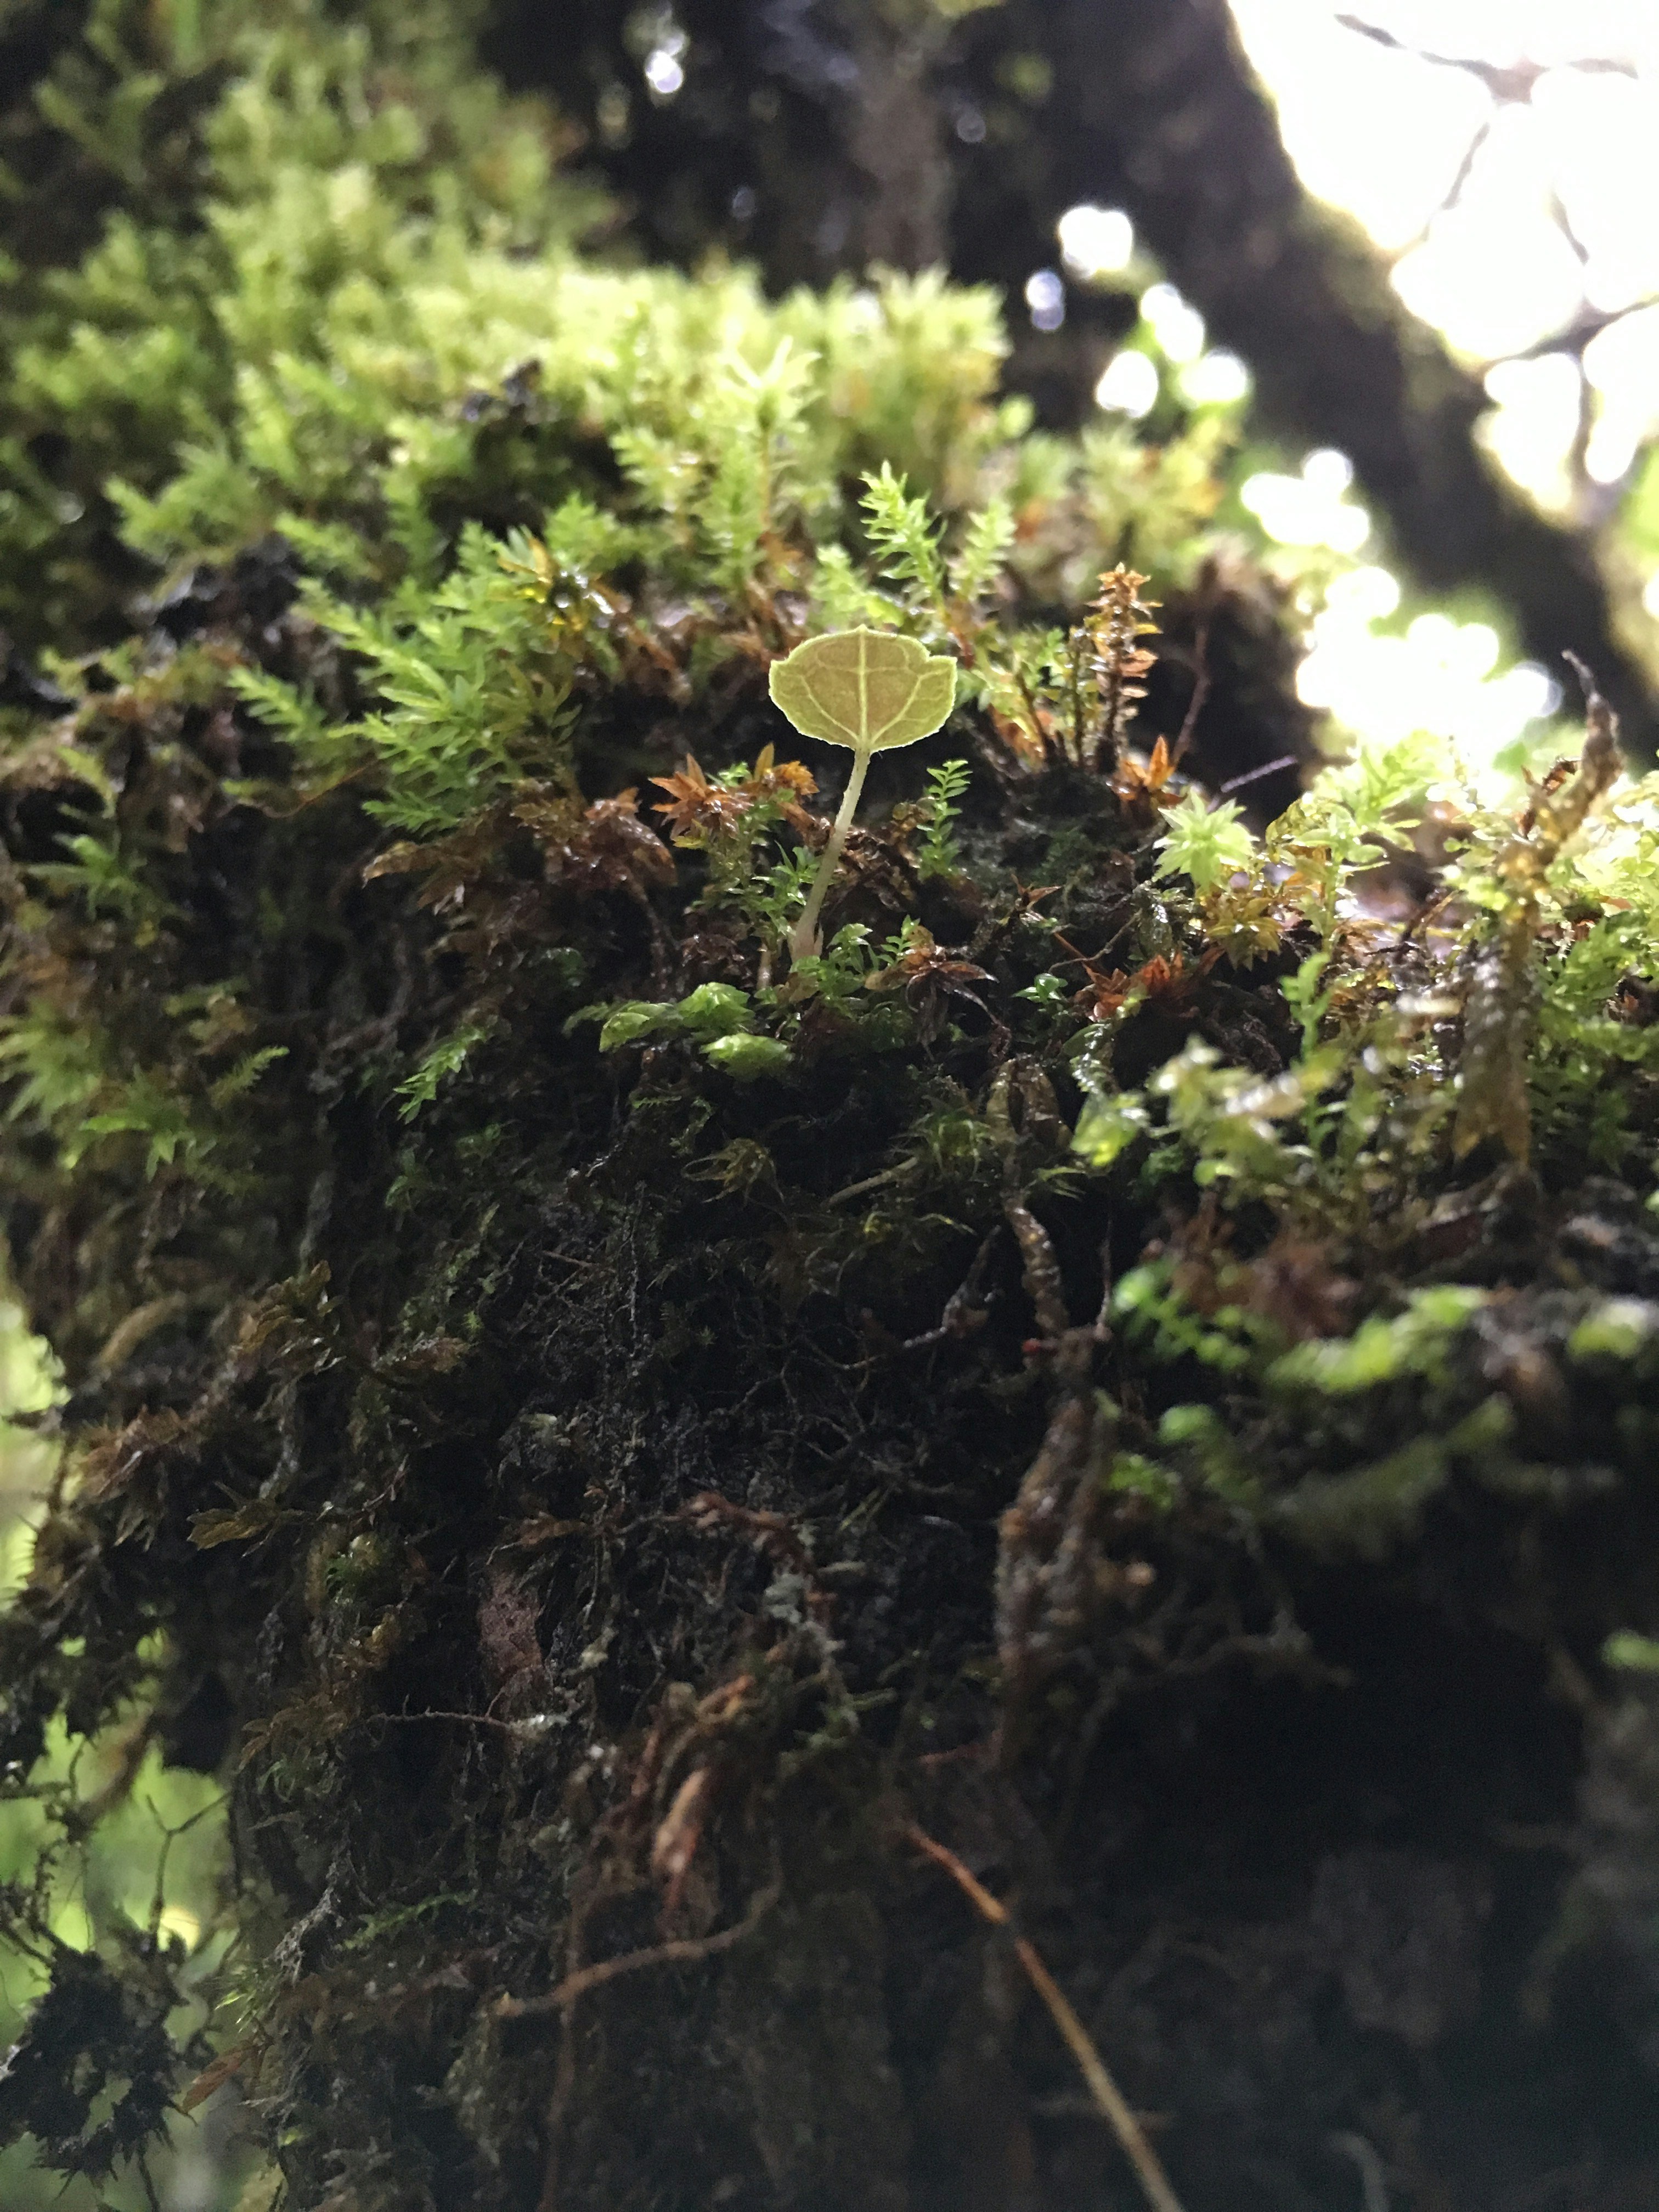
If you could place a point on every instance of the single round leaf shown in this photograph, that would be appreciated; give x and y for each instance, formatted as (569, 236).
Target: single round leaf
(865, 688)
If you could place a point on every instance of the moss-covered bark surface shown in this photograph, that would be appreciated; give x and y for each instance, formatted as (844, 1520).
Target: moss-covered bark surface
(1137, 1359)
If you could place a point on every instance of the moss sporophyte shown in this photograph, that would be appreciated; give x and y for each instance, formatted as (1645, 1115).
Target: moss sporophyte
(867, 690)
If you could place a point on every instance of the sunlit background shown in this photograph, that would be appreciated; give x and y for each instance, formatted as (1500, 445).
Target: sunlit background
(1504, 155)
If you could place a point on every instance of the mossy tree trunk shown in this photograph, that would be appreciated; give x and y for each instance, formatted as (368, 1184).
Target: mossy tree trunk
(1137, 1362)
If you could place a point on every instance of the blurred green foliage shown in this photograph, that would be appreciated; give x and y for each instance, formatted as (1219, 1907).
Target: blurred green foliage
(154, 1862)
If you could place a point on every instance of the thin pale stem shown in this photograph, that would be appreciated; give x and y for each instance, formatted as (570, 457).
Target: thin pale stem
(804, 937)
(1108, 2099)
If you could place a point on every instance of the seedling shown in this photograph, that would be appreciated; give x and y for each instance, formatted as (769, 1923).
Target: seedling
(868, 690)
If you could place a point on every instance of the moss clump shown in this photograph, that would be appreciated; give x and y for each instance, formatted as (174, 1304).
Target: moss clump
(1135, 1353)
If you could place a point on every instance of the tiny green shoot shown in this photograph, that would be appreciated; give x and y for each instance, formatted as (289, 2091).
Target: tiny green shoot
(945, 785)
(869, 691)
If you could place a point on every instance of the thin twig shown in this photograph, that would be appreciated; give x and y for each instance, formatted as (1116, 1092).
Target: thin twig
(1108, 2099)
(153, 2200)
(1510, 85)
(1200, 693)
(1255, 774)
(471, 1720)
(684, 1951)
(158, 1902)
(873, 1182)
(961, 1316)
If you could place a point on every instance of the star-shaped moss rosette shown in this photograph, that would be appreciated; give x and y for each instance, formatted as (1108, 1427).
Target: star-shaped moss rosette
(869, 691)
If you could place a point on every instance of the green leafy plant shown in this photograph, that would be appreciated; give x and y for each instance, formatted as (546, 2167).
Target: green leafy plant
(1209, 843)
(905, 540)
(446, 1058)
(946, 783)
(872, 693)
(986, 543)
(715, 1016)
(730, 817)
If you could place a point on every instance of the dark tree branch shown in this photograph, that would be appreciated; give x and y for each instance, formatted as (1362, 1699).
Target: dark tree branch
(1510, 87)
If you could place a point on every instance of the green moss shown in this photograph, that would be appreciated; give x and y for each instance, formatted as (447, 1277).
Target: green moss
(1621, 1329)
(1415, 1342)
